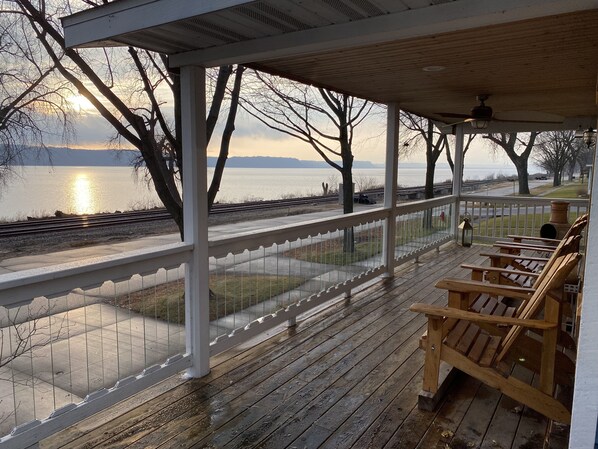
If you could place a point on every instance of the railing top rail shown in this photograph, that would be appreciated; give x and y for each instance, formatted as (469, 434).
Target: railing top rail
(22, 286)
(222, 246)
(414, 206)
(251, 240)
(522, 199)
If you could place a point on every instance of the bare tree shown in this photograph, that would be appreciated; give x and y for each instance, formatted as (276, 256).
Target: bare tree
(422, 131)
(32, 99)
(139, 115)
(579, 158)
(518, 149)
(553, 152)
(467, 144)
(321, 118)
(324, 119)
(585, 157)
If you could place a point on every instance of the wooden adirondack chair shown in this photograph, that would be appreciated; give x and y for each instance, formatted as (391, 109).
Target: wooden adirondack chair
(576, 228)
(537, 245)
(507, 270)
(485, 344)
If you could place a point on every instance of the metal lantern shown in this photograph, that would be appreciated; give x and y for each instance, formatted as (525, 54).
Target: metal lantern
(465, 237)
(589, 137)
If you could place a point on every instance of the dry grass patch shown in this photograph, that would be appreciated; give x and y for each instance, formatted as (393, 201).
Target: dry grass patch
(229, 293)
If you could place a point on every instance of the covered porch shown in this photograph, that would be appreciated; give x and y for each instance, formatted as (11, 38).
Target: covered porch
(347, 375)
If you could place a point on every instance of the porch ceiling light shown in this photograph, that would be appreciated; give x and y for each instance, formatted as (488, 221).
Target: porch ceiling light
(479, 124)
(589, 137)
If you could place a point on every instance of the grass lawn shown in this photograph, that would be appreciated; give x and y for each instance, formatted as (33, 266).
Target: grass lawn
(573, 190)
(538, 191)
(570, 190)
(368, 243)
(230, 293)
(331, 251)
(511, 224)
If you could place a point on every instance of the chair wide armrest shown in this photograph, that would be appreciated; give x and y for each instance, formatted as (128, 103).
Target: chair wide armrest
(448, 312)
(554, 242)
(506, 271)
(523, 246)
(514, 257)
(467, 286)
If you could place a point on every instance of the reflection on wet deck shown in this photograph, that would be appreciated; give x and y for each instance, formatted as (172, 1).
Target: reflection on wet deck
(346, 377)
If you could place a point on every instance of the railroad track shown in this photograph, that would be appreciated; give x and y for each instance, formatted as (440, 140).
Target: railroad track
(38, 226)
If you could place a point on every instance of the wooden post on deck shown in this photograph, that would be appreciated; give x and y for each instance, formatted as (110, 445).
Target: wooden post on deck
(195, 213)
(585, 400)
(390, 187)
(457, 178)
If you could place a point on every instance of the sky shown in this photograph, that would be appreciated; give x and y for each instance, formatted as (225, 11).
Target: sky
(252, 138)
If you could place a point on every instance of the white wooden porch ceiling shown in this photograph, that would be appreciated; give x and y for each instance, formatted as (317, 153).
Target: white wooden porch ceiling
(529, 55)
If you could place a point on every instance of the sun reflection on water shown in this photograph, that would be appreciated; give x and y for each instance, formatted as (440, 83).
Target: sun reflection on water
(82, 194)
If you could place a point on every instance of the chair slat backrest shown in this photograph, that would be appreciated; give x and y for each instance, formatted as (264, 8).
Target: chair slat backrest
(578, 226)
(567, 246)
(555, 278)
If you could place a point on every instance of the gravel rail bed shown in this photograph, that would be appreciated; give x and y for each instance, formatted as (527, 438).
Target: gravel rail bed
(59, 241)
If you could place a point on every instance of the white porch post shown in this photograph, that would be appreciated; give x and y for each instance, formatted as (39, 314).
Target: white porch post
(457, 177)
(585, 397)
(390, 186)
(195, 211)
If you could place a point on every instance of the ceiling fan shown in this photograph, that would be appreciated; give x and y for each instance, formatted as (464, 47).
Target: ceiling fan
(481, 115)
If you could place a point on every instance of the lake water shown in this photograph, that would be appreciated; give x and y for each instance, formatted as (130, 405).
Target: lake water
(37, 191)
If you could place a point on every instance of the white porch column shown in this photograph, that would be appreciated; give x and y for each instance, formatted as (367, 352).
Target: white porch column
(585, 397)
(390, 186)
(195, 211)
(457, 177)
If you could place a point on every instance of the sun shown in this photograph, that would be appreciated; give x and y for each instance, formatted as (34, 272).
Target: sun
(80, 104)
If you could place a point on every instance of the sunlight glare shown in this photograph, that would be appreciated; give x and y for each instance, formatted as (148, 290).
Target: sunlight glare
(82, 195)
(80, 104)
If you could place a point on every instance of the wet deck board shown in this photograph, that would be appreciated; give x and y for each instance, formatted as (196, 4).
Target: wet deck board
(346, 377)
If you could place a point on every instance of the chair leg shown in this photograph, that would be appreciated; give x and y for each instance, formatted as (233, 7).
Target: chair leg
(432, 361)
(552, 314)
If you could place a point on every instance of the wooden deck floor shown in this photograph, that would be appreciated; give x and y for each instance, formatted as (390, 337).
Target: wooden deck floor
(346, 377)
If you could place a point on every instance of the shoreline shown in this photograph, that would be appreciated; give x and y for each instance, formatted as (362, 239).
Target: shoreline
(36, 244)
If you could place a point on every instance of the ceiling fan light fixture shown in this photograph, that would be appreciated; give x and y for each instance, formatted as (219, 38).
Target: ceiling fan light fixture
(589, 137)
(479, 124)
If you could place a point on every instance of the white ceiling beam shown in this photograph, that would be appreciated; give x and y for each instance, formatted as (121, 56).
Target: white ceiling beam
(126, 16)
(442, 18)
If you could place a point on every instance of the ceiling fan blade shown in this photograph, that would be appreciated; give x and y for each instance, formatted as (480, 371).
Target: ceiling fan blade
(467, 120)
(528, 117)
(452, 115)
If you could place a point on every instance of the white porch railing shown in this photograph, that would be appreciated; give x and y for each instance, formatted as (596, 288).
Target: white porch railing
(422, 226)
(73, 341)
(88, 334)
(306, 265)
(497, 217)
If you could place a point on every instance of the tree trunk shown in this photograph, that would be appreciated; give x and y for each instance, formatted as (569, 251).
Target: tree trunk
(430, 161)
(522, 175)
(556, 179)
(429, 189)
(449, 159)
(348, 233)
(226, 138)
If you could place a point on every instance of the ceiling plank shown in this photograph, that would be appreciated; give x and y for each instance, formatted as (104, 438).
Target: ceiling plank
(127, 16)
(435, 19)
